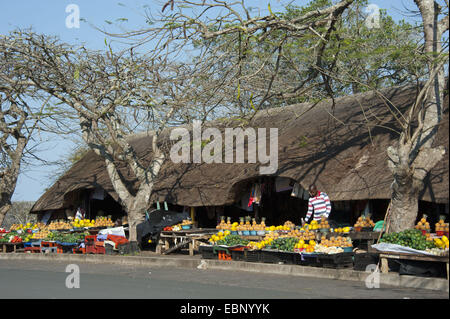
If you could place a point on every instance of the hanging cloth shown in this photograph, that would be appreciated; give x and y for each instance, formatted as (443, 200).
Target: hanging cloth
(258, 193)
(252, 197)
(296, 192)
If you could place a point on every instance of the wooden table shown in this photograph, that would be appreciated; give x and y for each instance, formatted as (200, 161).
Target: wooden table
(384, 256)
(170, 241)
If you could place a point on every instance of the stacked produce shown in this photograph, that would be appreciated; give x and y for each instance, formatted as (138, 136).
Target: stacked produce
(324, 223)
(272, 235)
(260, 245)
(441, 226)
(58, 225)
(364, 221)
(336, 242)
(441, 243)
(312, 226)
(219, 236)
(328, 250)
(15, 227)
(42, 234)
(308, 247)
(81, 223)
(423, 224)
(412, 238)
(103, 222)
(289, 224)
(344, 230)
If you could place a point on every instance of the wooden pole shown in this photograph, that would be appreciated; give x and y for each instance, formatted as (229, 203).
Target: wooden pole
(193, 215)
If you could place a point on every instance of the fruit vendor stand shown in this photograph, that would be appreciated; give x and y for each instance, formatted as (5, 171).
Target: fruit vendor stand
(315, 244)
(58, 237)
(418, 244)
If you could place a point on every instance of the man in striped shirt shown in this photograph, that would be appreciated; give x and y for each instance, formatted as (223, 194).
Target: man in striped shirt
(319, 202)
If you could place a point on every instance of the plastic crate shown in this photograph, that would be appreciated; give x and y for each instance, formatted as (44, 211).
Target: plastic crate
(79, 251)
(237, 255)
(90, 240)
(287, 257)
(253, 256)
(207, 252)
(341, 260)
(270, 256)
(311, 260)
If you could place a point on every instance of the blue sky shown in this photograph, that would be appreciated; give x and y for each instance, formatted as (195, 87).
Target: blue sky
(49, 17)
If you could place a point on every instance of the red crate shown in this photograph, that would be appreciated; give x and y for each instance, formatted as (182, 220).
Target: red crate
(95, 249)
(99, 244)
(79, 250)
(90, 240)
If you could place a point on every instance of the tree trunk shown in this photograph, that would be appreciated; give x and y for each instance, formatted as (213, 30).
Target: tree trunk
(408, 182)
(404, 204)
(4, 208)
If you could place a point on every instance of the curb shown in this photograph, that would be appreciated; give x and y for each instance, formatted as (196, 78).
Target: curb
(389, 279)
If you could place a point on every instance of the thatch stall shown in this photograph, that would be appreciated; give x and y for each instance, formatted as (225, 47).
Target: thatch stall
(340, 145)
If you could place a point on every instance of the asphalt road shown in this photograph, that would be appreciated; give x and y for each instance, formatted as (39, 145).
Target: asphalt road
(41, 279)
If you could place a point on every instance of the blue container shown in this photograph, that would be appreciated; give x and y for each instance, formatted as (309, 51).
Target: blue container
(246, 233)
(253, 233)
(186, 227)
(347, 249)
(234, 232)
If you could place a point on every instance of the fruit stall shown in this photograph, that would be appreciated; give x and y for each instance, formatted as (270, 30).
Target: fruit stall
(60, 236)
(315, 244)
(418, 245)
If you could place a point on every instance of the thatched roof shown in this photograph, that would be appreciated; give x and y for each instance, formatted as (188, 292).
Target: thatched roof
(341, 147)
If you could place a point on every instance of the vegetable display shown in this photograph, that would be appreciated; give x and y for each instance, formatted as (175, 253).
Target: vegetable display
(412, 238)
(232, 240)
(284, 244)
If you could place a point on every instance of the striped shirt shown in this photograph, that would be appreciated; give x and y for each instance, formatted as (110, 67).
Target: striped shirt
(320, 204)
